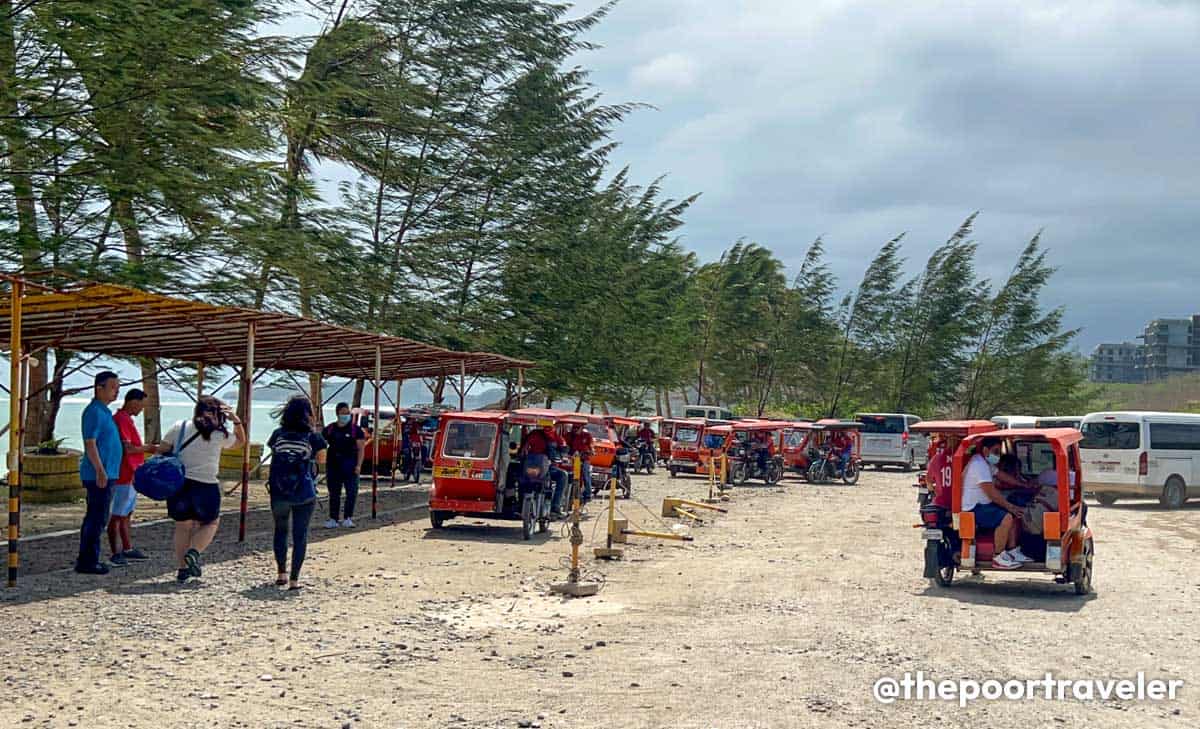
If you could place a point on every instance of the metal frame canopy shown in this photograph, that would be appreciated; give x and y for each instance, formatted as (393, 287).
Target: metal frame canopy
(119, 320)
(51, 309)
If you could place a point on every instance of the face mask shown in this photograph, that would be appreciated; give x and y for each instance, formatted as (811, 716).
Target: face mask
(343, 420)
(993, 459)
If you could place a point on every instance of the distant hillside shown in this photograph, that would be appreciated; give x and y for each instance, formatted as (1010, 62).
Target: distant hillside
(1175, 394)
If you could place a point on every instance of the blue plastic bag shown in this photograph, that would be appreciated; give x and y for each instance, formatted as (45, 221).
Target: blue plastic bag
(162, 476)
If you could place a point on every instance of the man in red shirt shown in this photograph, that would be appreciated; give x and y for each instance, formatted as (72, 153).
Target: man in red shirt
(580, 441)
(124, 498)
(937, 473)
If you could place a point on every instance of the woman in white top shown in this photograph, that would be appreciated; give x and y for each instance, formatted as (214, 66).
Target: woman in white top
(196, 507)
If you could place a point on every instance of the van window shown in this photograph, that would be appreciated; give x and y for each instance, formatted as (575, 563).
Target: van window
(886, 424)
(469, 440)
(696, 412)
(1175, 436)
(1112, 435)
(687, 435)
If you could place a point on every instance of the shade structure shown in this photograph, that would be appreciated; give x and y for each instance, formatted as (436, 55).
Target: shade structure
(51, 309)
(119, 320)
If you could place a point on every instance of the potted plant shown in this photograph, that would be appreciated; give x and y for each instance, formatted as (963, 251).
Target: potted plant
(50, 473)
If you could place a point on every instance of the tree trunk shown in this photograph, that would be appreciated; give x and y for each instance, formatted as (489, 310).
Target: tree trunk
(439, 390)
(658, 409)
(152, 415)
(316, 397)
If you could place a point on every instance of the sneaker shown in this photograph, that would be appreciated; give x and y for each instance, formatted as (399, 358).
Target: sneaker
(135, 555)
(193, 562)
(1005, 561)
(1019, 556)
(96, 569)
(118, 560)
(183, 575)
(347, 523)
(331, 524)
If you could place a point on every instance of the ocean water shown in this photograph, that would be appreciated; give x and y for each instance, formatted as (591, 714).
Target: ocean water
(70, 416)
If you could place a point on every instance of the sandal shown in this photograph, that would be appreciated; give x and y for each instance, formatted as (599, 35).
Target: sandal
(281, 580)
(293, 585)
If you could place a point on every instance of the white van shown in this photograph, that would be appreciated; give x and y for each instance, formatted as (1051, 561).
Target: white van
(1059, 421)
(888, 441)
(1011, 422)
(708, 412)
(1142, 455)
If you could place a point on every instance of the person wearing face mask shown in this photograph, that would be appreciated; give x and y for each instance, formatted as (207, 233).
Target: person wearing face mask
(196, 507)
(347, 445)
(982, 497)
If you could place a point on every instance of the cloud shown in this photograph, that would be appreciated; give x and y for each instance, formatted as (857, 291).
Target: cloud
(857, 120)
(671, 71)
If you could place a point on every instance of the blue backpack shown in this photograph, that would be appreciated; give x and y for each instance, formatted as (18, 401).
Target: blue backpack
(291, 465)
(162, 476)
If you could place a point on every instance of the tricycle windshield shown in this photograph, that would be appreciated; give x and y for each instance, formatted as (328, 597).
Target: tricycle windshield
(464, 439)
(793, 438)
(687, 435)
(598, 431)
(714, 440)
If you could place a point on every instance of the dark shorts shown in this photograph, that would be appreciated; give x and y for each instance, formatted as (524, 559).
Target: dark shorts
(988, 516)
(195, 501)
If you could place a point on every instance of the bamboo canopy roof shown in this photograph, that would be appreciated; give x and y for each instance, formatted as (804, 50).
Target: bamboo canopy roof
(124, 321)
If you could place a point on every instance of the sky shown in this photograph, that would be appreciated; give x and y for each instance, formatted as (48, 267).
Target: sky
(857, 121)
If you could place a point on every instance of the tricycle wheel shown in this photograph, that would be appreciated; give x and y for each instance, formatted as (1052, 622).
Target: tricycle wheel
(437, 519)
(1083, 578)
(673, 471)
(774, 474)
(528, 518)
(850, 475)
(911, 463)
(737, 473)
(1106, 499)
(944, 576)
(626, 486)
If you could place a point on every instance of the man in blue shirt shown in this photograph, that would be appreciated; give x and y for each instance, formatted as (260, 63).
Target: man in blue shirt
(99, 467)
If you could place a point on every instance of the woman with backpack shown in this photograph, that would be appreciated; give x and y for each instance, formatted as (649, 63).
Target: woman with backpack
(296, 448)
(196, 506)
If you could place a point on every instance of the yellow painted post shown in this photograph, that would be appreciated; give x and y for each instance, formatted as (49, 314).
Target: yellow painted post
(15, 426)
(573, 587)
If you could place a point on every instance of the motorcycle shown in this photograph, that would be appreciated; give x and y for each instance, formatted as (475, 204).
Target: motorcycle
(410, 464)
(827, 467)
(645, 458)
(745, 465)
(942, 543)
(620, 472)
(535, 490)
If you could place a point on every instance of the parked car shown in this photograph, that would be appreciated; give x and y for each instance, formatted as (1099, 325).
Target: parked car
(887, 440)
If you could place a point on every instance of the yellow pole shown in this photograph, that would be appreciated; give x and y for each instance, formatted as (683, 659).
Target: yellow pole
(15, 393)
(612, 509)
(576, 532)
(377, 434)
(712, 477)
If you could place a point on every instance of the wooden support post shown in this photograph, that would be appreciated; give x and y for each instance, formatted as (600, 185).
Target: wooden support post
(15, 435)
(462, 385)
(378, 428)
(246, 397)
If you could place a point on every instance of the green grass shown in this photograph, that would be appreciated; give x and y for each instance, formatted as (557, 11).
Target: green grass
(1176, 394)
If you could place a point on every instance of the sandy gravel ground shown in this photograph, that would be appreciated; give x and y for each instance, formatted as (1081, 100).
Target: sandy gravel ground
(782, 613)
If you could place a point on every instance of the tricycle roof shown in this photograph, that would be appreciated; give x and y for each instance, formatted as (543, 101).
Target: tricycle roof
(954, 427)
